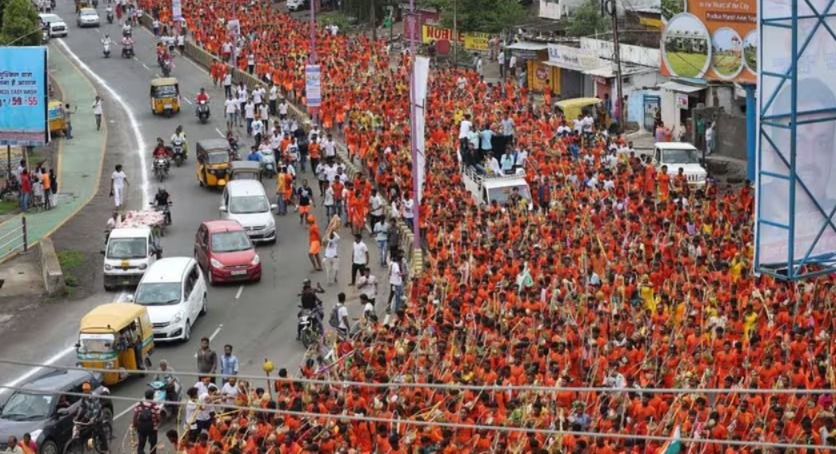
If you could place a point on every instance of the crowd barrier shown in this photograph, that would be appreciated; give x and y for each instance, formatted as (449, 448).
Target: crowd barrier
(205, 60)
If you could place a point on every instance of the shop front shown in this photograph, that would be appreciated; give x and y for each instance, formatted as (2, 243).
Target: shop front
(532, 56)
(572, 63)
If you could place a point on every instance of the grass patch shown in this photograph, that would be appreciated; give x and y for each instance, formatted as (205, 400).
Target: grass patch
(71, 262)
(686, 64)
(727, 64)
(7, 206)
(35, 158)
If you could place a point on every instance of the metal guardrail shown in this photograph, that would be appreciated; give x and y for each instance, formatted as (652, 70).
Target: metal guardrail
(13, 236)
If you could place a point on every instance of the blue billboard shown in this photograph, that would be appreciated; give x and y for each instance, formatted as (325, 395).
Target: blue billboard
(23, 96)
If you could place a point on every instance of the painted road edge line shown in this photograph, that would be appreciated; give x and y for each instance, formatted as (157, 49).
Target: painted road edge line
(240, 290)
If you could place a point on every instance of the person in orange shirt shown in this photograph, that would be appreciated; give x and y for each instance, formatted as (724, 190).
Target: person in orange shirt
(664, 184)
(315, 243)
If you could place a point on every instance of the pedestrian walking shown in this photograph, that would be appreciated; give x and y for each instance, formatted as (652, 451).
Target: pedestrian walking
(207, 359)
(97, 111)
(25, 190)
(396, 279)
(68, 117)
(359, 257)
(146, 423)
(367, 285)
(229, 363)
(381, 236)
(118, 181)
(332, 258)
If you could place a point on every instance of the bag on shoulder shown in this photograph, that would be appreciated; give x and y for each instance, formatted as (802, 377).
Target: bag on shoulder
(145, 419)
(334, 318)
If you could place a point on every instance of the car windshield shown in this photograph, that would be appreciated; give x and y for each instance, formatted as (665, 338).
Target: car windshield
(95, 343)
(166, 91)
(158, 294)
(126, 248)
(680, 157)
(230, 242)
(218, 157)
(88, 13)
(50, 18)
(27, 407)
(248, 204)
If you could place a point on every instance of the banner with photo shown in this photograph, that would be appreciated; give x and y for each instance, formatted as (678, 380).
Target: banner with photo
(23, 96)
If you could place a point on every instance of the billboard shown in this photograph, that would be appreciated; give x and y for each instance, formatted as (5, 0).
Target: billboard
(470, 41)
(313, 86)
(23, 96)
(796, 156)
(421, 73)
(712, 40)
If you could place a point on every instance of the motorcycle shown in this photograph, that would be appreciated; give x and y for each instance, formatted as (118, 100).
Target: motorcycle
(178, 150)
(165, 66)
(203, 111)
(106, 50)
(109, 12)
(127, 32)
(160, 168)
(128, 51)
(268, 163)
(160, 394)
(95, 4)
(233, 148)
(310, 322)
(165, 210)
(84, 432)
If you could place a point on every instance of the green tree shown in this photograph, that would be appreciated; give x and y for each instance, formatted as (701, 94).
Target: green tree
(671, 8)
(588, 20)
(20, 26)
(489, 16)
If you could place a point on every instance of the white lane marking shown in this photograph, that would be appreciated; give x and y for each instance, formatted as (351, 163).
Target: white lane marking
(187, 100)
(54, 359)
(214, 334)
(124, 412)
(146, 67)
(140, 141)
(240, 290)
(219, 132)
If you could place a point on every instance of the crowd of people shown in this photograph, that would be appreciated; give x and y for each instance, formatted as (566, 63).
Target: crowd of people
(620, 277)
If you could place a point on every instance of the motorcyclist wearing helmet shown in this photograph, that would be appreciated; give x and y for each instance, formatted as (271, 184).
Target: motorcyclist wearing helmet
(310, 302)
(179, 138)
(90, 413)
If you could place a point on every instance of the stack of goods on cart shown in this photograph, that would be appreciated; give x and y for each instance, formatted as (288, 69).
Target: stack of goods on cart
(144, 218)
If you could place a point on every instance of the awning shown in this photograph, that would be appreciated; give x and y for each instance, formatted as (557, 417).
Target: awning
(525, 45)
(609, 71)
(682, 88)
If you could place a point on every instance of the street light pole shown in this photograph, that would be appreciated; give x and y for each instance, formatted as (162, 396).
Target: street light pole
(416, 184)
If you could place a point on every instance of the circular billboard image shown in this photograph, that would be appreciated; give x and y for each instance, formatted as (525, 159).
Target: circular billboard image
(686, 47)
(726, 53)
(750, 51)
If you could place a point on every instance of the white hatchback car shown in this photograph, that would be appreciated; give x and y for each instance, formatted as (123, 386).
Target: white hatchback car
(174, 291)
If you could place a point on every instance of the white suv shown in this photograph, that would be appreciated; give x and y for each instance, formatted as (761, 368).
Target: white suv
(174, 291)
(54, 25)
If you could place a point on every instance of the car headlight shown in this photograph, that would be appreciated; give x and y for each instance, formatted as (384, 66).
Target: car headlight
(178, 318)
(216, 263)
(256, 260)
(109, 365)
(108, 267)
(143, 266)
(36, 435)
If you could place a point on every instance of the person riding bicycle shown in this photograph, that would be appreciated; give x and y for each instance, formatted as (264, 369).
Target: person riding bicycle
(90, 413)
(310, 302)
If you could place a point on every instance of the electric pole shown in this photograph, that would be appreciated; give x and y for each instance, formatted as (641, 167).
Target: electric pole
(619, 101)
(374, 20)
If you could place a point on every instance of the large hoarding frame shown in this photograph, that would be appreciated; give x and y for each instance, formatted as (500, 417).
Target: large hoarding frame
(795, 230)
(24, 96)
(712, 40)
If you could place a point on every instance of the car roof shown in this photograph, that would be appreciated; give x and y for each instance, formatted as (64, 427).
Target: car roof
(675, 146)
(245, 188)
(49, 16)
(168, 269)
(132, 232)
(55, 380)
(223, 225)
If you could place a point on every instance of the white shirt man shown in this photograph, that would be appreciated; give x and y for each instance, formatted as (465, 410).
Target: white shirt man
(332, 259)
(258, 95)
(283, 109)
(274, 93)
(464, 128)
(342, 314)
(257, 128)
(118, 182)
(249, 110)
(229, 391)
(230, 106)
(367, 285)
(376, 204)
(461, 83)
(329, 147)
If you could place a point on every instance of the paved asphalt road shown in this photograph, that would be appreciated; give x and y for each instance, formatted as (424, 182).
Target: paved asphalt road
(257, 319)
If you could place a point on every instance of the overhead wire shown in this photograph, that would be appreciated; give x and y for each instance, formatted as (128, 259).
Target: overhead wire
(442, 386)
(450, 425)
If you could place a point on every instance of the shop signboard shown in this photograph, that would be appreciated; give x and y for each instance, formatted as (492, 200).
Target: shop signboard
(574, 58)
(712, 40)
(470, 41)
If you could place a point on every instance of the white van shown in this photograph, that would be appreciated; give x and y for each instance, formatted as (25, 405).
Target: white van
(53, 24)
(128, 254)
(298, 5)
(680, 155)
(486, 188)
(246, 202)
(174, 292)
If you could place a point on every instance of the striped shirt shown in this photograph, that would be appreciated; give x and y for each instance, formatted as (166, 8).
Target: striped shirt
(155, 413)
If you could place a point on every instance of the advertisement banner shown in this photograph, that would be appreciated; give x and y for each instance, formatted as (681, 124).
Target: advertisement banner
(538, 76)
(23, 96)
(176, 10)
(470, 41)
(810, 209)
(574, 58)
(313, 86)
(712, 40)
(421, 73)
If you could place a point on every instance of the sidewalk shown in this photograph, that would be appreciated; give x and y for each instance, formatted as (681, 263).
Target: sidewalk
(79, 162)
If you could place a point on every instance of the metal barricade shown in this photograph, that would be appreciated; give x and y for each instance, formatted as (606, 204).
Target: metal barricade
(13, 236)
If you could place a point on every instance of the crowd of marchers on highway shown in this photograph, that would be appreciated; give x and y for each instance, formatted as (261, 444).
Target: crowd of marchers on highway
(608, 273)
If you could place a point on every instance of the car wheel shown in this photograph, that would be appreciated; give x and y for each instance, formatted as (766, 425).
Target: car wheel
(205, 308)
(108, 288)
(49, 447)
(187, 331)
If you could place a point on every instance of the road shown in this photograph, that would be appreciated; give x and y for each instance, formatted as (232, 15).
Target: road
(258, 320)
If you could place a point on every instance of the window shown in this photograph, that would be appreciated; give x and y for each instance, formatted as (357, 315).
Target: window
(127, 248)
(248, 204)
(158, 294)
(190, 281)
(230, 242)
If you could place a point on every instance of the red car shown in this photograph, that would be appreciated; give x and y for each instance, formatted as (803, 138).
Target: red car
(225, 252)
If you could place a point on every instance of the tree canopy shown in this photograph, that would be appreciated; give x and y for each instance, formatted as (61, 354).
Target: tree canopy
(671, 8)
(20, 23)
(588, 20)
(489, 16)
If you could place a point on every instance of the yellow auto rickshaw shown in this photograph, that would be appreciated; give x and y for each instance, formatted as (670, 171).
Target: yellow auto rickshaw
(212, 162)
(117, 337)
(571, 108)
(165, 96)
(57, 118)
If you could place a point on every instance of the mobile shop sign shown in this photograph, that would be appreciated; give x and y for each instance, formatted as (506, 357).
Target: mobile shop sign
(313, 85)
(470, 41)
(23, 96)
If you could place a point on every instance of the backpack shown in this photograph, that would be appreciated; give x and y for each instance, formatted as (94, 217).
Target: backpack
(334, 318)
(145, 419)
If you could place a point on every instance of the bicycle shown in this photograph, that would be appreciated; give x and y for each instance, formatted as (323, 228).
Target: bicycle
(84, 438)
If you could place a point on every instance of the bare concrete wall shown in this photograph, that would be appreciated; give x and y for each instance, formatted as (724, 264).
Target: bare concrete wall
(730, 132)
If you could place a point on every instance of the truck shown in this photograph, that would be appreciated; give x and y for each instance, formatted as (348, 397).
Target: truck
(680, 155)
(131, 247)
(488, 188)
